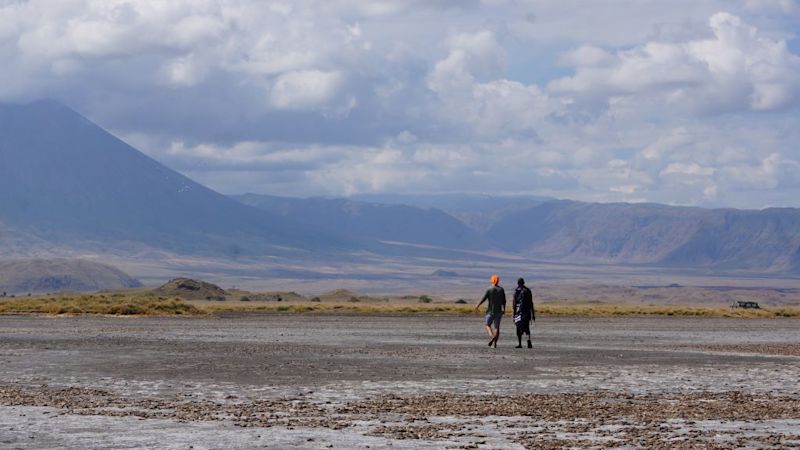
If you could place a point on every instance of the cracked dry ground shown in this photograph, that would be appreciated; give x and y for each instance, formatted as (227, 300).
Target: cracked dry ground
(276, 381)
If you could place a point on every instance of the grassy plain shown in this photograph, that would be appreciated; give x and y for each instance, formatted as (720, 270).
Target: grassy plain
(120, 304)
(99, 304)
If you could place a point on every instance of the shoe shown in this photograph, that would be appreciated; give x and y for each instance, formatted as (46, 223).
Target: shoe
(519, 346)
(529, 344)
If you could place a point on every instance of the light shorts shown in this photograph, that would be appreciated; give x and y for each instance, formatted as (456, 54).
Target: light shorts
(492, 318)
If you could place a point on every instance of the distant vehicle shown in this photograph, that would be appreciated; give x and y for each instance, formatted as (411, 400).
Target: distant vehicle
(745, 305)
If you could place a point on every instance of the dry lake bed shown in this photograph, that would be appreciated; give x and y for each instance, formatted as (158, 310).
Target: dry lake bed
(363, 381)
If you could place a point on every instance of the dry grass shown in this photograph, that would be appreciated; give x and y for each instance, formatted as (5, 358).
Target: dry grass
(349, 307)
(666, 310)
(583, 310)
(100, 304)
(157, 306)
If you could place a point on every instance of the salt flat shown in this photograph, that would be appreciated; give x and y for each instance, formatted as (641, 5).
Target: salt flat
(293, 380)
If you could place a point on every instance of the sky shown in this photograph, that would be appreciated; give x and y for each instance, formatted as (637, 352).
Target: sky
(686, 102)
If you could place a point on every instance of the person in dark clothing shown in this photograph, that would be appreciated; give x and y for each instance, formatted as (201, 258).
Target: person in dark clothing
(523, 312)
(495, 309)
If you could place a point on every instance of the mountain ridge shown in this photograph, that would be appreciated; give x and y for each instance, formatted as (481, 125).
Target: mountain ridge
(67, 184)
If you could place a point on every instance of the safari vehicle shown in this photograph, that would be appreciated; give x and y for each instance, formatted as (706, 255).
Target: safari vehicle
(745, 305)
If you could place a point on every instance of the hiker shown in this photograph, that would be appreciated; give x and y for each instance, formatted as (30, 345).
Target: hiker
(495, 309)
(523, 312)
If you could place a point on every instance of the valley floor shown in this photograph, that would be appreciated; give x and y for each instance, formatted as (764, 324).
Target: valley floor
(353, 381)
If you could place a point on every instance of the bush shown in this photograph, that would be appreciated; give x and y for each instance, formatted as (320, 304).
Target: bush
(316, 299)
(244, 298)
(425, 299)
(461, 301)
(354, 300)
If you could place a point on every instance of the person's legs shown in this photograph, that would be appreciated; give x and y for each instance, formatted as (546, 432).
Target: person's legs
(523, 327)
(488, 326)
(496, 328)
(493, 332)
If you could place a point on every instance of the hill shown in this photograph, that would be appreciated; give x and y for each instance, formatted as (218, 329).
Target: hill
(55, 275)
(189, 289)
(66, 180)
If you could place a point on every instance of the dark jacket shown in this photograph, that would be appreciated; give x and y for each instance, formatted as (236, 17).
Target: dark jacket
(523, 304)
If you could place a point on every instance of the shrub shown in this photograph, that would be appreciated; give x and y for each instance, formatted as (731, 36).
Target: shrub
(244, 298)
(316, 299)
(425, 299)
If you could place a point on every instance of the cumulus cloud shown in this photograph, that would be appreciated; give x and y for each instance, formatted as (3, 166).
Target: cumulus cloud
(675, 102)
(736, 69)
(305, 89)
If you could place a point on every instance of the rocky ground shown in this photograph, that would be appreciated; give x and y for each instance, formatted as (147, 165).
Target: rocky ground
(305, 381)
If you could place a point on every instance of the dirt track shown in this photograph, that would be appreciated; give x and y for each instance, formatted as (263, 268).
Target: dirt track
(342, 380)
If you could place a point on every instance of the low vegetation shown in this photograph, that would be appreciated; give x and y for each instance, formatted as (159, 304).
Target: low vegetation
(601, 309)
(596, 310)
(149, 305)
(100, 304)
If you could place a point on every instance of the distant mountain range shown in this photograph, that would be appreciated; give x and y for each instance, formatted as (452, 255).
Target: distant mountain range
(65, 182)
(383, 222)
(654, 234)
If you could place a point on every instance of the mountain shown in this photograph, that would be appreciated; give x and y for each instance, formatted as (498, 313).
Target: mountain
(54, 275)
(63, 179)
(66, 185)
(660, 235)
(382, 222)
(479, 212)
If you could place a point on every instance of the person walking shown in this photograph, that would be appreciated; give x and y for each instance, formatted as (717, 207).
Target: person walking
(523, 312)
(496, 296)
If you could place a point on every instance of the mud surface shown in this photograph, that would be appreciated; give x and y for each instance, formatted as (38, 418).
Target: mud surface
(277, 381)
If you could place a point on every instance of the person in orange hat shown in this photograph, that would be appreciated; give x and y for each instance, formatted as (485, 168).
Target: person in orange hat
(496, 296)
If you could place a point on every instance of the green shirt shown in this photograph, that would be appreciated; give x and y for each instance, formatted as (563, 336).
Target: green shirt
(496, 296)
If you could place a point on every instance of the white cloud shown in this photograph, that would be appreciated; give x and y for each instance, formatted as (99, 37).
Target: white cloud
(674, 102)
(184, 71)
(687, 169)
(737, 69)
(470, 92)
(586, 55)
(305, 89)
(471, 57)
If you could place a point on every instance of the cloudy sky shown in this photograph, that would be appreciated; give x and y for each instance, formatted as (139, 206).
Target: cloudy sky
(690, 102)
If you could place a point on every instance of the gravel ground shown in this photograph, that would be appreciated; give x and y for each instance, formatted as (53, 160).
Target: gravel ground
(344, 381)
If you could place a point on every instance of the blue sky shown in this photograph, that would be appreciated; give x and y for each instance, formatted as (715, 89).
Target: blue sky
(680, 102)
